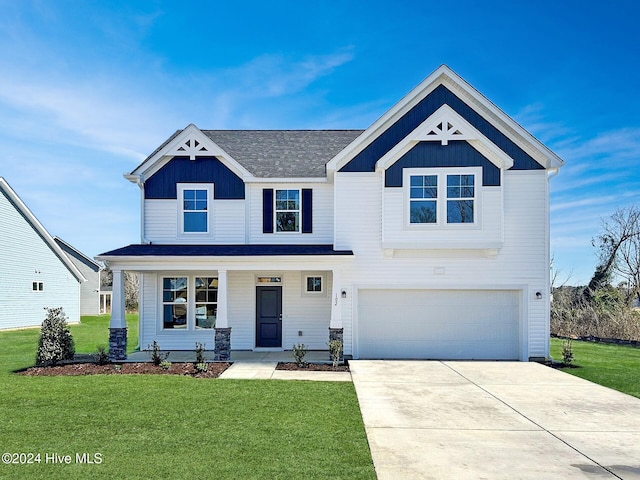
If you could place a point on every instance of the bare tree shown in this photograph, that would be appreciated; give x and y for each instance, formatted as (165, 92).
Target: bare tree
(617, 244)
(131, 287)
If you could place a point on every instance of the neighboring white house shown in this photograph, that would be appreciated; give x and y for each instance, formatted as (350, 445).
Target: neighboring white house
(424, 236)
(89, 290)
(34, 271)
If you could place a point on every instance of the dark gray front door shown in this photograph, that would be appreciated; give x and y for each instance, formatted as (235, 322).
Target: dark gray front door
(269, 316)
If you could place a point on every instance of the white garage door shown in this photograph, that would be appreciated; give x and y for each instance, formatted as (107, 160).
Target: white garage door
(439, 324)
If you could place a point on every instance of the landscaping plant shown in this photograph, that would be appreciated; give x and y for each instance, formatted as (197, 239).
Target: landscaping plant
(156, 357)
(299, 350)
(335, 350)
(56, 343)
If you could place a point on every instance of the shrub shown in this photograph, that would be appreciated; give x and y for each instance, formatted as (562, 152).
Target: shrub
(567, 351)
(335, 350)
(156, 357)
(165, 364)
(299, 351)
(201, 367)
(55, 343)
(101, 356)
(200, 352)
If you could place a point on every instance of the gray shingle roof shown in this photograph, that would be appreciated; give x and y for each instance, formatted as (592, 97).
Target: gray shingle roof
(283, 153)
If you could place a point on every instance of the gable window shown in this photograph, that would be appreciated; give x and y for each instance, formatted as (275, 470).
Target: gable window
(460, 198)
(175, 292)
(287, 210)
(423, 203)
(441, 196)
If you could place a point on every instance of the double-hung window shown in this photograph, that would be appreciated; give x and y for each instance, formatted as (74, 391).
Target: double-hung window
(287, 211)
(442, 197)
(194, 208)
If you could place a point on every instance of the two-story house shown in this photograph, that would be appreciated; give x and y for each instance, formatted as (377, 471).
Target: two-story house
(424, 236)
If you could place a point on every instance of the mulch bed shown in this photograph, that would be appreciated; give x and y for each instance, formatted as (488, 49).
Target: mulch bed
(214, 370)
(313, 367)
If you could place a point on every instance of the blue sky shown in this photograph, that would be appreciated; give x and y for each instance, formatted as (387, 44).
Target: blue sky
(88, 89)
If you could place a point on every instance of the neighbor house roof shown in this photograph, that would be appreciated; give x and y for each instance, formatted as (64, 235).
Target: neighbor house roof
(74, 252)
(31, 219)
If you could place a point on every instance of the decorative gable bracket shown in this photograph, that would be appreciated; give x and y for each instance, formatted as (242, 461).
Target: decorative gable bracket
(444, 125)
(192, 147)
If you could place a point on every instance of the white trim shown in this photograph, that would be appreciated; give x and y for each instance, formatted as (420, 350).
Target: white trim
(446, 115)
(37, 226)
(266, 262)
(180, 188)
(287, 180)
(154, 163)
(441, 202)
(445, 76)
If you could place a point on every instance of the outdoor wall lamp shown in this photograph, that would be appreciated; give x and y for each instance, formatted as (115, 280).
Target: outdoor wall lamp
(539, 295)
(344, 294)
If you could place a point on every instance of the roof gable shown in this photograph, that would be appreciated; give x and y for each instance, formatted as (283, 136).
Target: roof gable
(30, 218)
(444, 87)
(77, 254)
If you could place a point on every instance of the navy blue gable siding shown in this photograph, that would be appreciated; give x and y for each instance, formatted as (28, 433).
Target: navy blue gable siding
(365, 161)
(433, 154)
(162, 184)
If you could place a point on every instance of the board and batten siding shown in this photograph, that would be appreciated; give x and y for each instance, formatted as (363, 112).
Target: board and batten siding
(26, 258)
(521, 263)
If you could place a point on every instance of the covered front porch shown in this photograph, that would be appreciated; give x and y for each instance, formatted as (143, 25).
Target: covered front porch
(254, 298)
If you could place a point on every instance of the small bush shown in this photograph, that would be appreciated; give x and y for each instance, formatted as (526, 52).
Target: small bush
(567, 351)
(335, 350)
(156, 357)
(165, 364)
(299, 350)
(56, 343)
(101, 357)
(201, 367)
(200, 352)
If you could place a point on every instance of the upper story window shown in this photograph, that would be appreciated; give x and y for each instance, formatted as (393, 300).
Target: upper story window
(460, 198)
(194, 210)
(287, 210)
(444, 197)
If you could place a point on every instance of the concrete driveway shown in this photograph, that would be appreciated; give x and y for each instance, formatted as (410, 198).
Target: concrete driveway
(494, 420)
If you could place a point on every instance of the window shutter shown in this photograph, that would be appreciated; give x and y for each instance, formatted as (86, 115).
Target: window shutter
(267, 210)
(307, 210)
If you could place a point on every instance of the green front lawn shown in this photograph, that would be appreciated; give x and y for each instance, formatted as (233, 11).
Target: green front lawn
(614, 366)
(171, 426)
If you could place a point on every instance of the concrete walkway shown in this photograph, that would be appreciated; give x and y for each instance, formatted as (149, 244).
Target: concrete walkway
(494, 420)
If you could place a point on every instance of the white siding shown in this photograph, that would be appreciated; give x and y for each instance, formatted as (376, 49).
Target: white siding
(161, 222)
(397, 234)
(309, 314)
(26, 258)
(322, 215)
(521, 264)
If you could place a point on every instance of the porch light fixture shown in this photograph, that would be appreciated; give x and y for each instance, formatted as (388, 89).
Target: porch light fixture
(539, 295)
(344, 294)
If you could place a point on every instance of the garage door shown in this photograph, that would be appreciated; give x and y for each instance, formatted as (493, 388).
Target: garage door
(439, 324)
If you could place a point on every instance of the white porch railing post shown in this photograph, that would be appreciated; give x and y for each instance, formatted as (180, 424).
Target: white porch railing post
(336, 300)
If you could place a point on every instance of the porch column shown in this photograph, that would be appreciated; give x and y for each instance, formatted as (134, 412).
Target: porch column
(336, 331)
(222, 329)
(118, 323)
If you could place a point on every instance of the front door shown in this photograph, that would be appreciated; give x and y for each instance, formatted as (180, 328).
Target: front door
(269, 316)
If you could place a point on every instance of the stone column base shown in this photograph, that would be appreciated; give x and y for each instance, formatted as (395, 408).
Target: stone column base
(337, 334)
(117, 344)
(222, 344)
